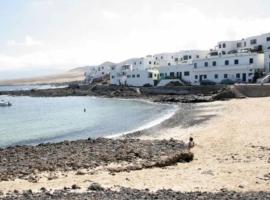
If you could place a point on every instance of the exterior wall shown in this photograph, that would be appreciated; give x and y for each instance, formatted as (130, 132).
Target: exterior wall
(248, 43)
(98, 71)
(181, 71)
(169, 59)
(196, 72)
(134, 77)
(267, 61)
(233, 67)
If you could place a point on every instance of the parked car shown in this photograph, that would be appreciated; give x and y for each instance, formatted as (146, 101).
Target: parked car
(227, 82)
(207, 82)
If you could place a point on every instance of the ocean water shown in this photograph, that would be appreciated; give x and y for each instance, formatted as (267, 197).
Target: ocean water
(33, 120)
(28, 87)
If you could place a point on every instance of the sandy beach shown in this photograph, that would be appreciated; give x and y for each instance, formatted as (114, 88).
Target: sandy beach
(232, 152)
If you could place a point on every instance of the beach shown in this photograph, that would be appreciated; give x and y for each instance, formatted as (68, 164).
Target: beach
(231, 154)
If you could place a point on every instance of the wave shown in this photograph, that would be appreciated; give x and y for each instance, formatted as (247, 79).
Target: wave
(151, 124)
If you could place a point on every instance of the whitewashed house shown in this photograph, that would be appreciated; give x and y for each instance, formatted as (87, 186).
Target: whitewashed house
(135, 72)
(97, 72)
(169, 59)
(236, 67)
(267, 61)
(251, 43)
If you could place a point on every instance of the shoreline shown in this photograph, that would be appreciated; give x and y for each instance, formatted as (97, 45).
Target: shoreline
(170, 113)
(227, 157)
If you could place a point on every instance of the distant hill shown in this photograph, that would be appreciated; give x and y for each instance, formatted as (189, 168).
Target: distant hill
(75, 74)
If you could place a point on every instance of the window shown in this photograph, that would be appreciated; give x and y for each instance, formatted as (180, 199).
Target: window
(161, 75)
(254, 41)
(196, 76)
(238, 75)
(150, 62)
(189, 57)
(102, 73)
(138, 75)
(225, 75)
(195, 65)
(205, 76)
(236, 62)
(176, 59)
(161, 57)
(155, 75)
(197, 56)
(134, 63)
(140, 62)
(251, 61)
(169, 64)
(113, 68)
(227, 62)
(206, 64)
(128, 76)
(154, 62)
(186, 73)
(214, 63)
(133, 75)
(268, 39)
(185, 57)
(239, 44)
(150, 75)
(171, 74)
(112, 77)
(224, 45)
(156, 58)
(216, 76)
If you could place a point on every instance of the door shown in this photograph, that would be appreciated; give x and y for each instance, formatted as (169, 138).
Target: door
(244, 77)
(201, 77)
(179, 75)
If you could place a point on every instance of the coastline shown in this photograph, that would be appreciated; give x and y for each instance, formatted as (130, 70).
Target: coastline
(227, 157)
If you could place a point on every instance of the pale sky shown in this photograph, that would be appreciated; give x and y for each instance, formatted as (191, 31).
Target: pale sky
(48, 36)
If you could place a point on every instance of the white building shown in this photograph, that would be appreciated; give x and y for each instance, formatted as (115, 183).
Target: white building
(240, 61)
(135, 72)
(169, 59)
(251, 43)
(267, 61)
(237, 67)
(96, 72)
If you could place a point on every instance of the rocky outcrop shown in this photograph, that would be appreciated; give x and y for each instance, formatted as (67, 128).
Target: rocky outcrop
(183, 94)
(95, 191)
(25, 162)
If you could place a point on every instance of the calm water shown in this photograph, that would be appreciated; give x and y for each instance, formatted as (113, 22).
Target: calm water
(28, 87)
(32, 120)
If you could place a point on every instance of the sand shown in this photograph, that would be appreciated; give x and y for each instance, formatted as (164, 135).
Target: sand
(232, 151)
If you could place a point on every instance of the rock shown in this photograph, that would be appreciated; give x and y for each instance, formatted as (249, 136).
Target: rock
(75, 187)
(95, 187)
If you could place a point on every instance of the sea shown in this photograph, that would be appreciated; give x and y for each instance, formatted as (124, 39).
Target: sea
(34, 120)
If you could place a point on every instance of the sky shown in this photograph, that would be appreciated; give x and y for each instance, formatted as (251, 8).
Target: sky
(49, 36)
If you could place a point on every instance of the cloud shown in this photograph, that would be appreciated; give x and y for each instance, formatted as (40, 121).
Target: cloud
(29, 41)
(110, 15)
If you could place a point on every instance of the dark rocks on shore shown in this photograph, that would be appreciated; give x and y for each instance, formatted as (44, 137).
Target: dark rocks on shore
(25, 162)
(130, 194)
(184, 94)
